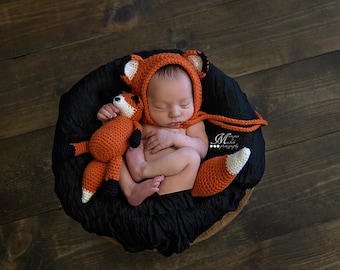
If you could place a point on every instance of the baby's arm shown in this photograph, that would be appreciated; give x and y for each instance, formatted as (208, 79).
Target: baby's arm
(195, 138)
(107, 112)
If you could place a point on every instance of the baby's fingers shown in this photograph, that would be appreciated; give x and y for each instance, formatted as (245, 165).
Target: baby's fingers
(102, 116)
(150, 144)
(150, 134)
(107, 112)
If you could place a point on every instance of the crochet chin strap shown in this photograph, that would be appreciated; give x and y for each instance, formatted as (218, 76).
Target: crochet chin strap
(229, 123)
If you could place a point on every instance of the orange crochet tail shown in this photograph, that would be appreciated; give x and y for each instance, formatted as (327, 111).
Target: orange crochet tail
(217, 173)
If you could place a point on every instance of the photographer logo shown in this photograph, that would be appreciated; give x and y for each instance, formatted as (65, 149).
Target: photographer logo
(225, 141)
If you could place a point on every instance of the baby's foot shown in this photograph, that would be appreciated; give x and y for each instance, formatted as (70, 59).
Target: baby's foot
(235, 162)
(136, 162)
(141, 191)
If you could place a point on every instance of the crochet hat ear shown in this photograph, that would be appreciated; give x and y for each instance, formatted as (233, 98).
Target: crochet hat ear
(129, 68)
(199, 61)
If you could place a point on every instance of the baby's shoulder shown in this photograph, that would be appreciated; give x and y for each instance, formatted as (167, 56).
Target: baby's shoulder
(196, 129)
(148, 128)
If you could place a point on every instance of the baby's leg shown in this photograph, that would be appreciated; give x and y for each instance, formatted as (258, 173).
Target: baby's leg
(135, 160)
(136, 193)
(170, 164)
(185, 179)
(140, 191)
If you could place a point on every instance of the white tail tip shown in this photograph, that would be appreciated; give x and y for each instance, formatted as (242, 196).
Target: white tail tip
(236, 161)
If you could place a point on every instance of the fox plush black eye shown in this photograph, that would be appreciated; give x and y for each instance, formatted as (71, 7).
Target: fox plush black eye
(135, 98)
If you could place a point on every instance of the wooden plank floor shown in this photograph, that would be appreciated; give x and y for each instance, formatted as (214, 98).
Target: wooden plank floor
(285, 56)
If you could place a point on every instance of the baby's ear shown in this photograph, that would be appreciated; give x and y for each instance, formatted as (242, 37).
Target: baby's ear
(199, 61)
(129, 66)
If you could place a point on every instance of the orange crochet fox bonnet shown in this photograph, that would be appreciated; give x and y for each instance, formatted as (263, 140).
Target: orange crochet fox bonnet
(137, 73)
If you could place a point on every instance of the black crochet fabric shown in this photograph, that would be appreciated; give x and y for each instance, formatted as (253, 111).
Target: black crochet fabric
(167, 223)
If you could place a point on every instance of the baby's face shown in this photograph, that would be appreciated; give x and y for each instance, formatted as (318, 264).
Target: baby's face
(170, 99)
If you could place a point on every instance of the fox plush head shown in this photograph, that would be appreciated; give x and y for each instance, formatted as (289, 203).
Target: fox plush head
(129, 105)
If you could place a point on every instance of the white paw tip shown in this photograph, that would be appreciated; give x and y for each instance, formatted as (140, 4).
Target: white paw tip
(86, 196)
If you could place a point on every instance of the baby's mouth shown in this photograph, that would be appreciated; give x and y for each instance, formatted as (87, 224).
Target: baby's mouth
(174, 124)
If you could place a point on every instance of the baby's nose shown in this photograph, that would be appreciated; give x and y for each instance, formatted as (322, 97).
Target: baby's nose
(175, 112)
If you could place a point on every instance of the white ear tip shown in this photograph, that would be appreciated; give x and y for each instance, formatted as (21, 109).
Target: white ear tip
(131, 68)
(196, 61)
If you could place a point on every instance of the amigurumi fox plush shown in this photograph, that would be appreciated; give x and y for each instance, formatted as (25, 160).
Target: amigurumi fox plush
(108, 145)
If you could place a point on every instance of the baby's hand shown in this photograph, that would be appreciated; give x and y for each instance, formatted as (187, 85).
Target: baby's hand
(107, 112)
(157, 140)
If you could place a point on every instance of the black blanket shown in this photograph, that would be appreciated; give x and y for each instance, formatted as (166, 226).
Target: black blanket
(168, 223)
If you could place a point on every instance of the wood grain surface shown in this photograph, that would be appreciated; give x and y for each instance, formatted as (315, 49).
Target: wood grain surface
(284, 54)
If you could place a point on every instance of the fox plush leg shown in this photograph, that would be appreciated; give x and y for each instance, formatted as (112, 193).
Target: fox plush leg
(217, 173)
(93, 178)
(110, 188)
(113, 168)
